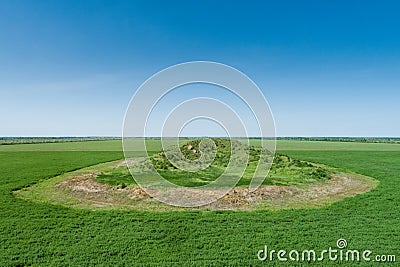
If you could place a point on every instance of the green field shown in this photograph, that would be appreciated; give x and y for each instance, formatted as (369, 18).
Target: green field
(49, 235)
(115, 145)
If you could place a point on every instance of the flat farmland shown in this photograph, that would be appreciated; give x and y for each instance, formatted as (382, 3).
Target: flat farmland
(43, 234)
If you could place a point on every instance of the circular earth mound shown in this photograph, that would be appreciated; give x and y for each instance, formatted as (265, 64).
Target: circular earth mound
(290, 184)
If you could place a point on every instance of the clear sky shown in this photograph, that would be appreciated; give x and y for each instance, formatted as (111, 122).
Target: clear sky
(327, 68)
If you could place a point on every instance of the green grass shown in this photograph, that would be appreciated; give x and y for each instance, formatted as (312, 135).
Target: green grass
(109, 145)
(284, 170)
(117, 177)
(155, 145)
(49, 235)
(335, 146)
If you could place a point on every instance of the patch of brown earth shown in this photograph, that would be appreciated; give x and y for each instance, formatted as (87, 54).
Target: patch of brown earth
(127, 162)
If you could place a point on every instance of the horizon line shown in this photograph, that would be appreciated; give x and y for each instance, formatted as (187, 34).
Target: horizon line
(120, 137)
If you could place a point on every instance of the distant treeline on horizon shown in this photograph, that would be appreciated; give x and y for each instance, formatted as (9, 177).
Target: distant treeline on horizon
(346, 139)
(36, 140)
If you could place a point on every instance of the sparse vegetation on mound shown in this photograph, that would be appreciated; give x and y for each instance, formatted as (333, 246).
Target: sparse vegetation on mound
(284, 170)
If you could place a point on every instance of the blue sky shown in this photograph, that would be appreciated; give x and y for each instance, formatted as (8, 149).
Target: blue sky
(327, 68)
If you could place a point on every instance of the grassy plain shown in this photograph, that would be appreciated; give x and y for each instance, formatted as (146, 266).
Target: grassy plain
(49, 235)
(155, 145)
